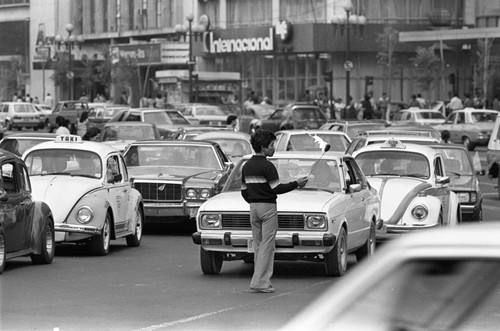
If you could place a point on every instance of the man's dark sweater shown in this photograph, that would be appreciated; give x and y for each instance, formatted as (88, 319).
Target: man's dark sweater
(260, 181)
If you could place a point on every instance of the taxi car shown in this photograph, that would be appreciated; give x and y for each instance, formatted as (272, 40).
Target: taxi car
(413, 187)
(336, 213)
(380, 136)
(304, 140)
(463, 173)
(418, 116)
(442, 279)
(26, 224)
(86, 186)
(176, 176)
(470, 127)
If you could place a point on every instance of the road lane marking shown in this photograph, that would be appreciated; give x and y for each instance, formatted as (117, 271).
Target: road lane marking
(212, 313)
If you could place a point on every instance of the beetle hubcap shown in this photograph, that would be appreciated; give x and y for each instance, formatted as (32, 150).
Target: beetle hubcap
(49, 240)
(138, 228)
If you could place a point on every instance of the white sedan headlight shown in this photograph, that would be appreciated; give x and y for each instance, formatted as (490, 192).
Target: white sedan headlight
(420, 212)
(85, 215)
(316, 222)
(210, 221)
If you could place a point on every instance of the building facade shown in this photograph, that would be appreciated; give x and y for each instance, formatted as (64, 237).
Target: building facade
(278, 48)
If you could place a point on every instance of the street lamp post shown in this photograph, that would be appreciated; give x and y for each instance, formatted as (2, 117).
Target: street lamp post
(190, 18)
(69, 41)
(345, 23)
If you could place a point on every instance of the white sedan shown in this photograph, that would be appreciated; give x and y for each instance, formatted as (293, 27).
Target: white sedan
(86, 186)
(336, 213)
(412, 184)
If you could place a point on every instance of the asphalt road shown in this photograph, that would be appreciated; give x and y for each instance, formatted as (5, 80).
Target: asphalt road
(159, 286)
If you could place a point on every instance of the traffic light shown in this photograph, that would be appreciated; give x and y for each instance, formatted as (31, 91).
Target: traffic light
(368, 80)
(327, 75)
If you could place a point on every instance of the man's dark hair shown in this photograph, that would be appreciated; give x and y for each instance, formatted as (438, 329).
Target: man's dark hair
(231, 118)
(60, 120)
(261, 138)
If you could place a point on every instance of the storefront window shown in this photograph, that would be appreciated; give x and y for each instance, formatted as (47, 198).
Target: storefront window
(211, 9)
(300, 11)
(242, 13)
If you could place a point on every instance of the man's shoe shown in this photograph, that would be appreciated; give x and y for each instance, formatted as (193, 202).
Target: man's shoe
(270, 289)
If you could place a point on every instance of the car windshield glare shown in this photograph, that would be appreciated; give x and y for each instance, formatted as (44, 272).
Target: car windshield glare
(323, 174)
(64, 161)
(182, 156)
(396, 163)
(113, 133)
(22, 108)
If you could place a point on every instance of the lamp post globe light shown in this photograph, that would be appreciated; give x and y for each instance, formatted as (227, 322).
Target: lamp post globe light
(69, 41)
(345, 23)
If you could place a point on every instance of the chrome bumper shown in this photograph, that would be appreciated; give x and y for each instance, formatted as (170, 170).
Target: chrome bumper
(75, 228)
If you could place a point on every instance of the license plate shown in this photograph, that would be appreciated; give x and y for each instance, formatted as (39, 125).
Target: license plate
(250, 245)
(193, 212)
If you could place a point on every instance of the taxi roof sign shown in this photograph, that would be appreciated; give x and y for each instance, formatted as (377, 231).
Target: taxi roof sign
(393, 143)
(70, 138)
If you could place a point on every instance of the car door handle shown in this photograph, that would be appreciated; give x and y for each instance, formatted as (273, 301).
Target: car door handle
(362, 198)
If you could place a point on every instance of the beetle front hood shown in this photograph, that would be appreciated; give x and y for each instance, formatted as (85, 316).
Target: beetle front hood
(310, 201)
(60, 195)
(392, 192)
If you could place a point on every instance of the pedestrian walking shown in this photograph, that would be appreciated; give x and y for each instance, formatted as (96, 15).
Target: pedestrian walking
(383, 105)
(232, 123)
(260, 187)
(83, 123)
(49, 101)
(468, 103)
(368, 110)
(413, 102)
(124, 98)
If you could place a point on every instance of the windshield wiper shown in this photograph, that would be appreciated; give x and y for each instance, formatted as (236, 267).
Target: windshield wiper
(83, 175)
(57, 173)
(416, 175)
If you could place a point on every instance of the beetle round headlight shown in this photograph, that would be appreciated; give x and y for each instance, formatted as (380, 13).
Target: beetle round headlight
(205, 193)
(191, 193)
(420, 212)
(84, 215)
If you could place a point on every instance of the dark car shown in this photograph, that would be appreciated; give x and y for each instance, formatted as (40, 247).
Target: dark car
(253, 115)
(176, 176)
(294, 116)
(26, 226)
(70, 110)
(18, 143)
(101, 114)
(463, 179)
(168, 121)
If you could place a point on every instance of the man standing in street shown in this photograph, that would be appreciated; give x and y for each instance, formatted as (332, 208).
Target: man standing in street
(260, 187)
(49, 101)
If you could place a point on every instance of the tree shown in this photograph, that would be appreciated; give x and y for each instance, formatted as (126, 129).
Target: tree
(483, 69)
(427, 64)
(10, 77)
(387, 41)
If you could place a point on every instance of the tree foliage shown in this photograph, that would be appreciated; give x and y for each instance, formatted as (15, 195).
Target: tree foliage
(387, 41)
(427, 64)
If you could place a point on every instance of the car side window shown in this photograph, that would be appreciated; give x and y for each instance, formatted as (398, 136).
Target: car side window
(8, 178)
(460, 118)
(452, 118)
(350, 174)
(438, 169)
(5, 108)
(24, 182)
(112, 167)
